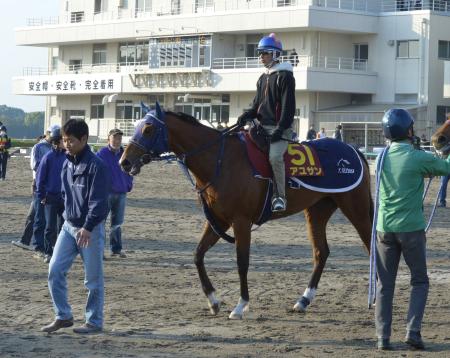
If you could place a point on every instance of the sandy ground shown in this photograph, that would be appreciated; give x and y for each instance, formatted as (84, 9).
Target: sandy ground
(154, 304)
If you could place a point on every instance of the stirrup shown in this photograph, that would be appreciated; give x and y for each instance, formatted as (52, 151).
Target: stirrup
(278, 204)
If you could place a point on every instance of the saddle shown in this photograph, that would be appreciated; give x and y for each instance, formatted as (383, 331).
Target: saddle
(260, 138)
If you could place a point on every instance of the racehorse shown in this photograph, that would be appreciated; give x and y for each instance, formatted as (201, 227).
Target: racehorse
(234, 197)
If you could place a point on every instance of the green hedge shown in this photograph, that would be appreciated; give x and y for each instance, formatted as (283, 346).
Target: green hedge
(22, 143)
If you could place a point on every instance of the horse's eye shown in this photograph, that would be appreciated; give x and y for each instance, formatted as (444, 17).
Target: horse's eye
(147, 130)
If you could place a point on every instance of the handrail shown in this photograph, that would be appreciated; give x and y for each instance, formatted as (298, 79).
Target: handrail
(212, 6)
(325, 62)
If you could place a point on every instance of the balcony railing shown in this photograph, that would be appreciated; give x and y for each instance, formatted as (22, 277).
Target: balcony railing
(326, 62)
(212, 6)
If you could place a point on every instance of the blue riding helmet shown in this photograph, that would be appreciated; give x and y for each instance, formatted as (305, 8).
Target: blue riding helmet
(396, 123)
(270, 44)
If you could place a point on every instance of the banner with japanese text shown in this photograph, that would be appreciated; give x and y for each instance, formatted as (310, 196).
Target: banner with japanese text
(73, 84)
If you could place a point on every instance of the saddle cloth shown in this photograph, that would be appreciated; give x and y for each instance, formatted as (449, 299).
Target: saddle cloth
(327, 165)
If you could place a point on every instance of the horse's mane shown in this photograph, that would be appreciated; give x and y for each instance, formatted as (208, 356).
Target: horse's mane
(189, 119)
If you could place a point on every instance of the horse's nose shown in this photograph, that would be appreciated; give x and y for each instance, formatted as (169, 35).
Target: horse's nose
(126, 165)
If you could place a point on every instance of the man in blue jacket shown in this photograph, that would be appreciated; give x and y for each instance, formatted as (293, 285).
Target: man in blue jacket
(85, 189)
(48, 190)
(121, 184)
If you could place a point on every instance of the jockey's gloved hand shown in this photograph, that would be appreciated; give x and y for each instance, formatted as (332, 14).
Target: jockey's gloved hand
(243, 119)
(276, 135)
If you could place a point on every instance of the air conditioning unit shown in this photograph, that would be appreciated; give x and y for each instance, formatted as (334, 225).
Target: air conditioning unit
(391, 42)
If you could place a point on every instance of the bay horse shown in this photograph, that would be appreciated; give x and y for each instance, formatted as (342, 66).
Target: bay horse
(441, 139)
(224, 178)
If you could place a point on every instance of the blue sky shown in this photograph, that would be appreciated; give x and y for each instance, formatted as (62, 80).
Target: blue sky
(15, 58)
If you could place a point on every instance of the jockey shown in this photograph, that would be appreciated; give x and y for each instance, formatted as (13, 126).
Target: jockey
(401, 225)
(274, 106)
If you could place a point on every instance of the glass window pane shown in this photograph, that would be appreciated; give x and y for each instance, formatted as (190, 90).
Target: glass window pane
(443, 49)
(402, 48)
(363, 52)
(413, 49)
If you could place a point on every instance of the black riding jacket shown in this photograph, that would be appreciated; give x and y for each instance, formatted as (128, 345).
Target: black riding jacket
(274, 103)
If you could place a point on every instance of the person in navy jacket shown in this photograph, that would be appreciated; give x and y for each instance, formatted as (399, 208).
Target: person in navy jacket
(85, 189)
(121, 184)
(48, 190)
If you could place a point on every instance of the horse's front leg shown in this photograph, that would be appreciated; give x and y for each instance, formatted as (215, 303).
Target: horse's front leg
(242, 233)
(208, 240)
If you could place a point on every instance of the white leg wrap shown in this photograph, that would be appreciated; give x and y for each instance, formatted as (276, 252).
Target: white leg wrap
(239, 310)
(310, 293)
(305, 300)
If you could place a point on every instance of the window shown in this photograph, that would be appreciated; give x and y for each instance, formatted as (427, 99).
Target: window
(143, 5)
(251, 50)
(77, 16)
(123, 4)
(283, 2)
(132, 53)
(99, 54)
(444, 50)
(52, 111)
(54, 63)
(190, 51)
(361, 52)
(442, 113)
(175, 7)
(203, 5)
(124, 109)
(408, 49)
(97, 6)
(75, 65)
(97, 107)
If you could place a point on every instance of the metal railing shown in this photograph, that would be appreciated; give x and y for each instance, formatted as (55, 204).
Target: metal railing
(326, 62)
(413, 5)
(86, 69)
(212, 6)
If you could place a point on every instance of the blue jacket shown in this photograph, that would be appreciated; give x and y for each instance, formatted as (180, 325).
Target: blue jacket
(121, 182)
(48, 175)
(85, 189)
(37, 153)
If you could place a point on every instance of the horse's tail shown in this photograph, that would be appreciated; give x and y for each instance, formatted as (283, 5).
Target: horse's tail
(366, 163)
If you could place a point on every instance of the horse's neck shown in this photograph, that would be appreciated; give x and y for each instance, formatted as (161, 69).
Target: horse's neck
(186, 138)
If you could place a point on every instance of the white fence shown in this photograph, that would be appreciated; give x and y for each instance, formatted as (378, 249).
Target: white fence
(336, 63)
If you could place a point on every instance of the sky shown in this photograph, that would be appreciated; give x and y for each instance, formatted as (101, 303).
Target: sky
(15, 58)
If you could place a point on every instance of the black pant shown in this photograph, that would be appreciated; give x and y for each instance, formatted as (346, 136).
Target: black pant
(28, 230)
(3, 162)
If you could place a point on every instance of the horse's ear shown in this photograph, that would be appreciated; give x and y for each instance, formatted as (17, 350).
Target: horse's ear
(158, 111)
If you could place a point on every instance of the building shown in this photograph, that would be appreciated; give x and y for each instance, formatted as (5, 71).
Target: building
(355, 59)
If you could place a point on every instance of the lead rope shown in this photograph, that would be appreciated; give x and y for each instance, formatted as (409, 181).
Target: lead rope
(373, 242)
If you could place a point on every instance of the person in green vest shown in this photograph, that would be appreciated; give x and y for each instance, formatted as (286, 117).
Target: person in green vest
(401, 225)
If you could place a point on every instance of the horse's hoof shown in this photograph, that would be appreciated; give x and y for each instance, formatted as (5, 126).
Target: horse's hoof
(301, 305)
(298, 307)
(214, 308)
(235, 316)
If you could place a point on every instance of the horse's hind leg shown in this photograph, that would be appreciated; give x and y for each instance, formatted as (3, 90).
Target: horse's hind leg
(208, 240)
(316, 217)
(360, 215)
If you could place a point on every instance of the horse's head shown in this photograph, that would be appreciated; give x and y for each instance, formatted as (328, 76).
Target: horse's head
(149, 141)
(441, 139)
